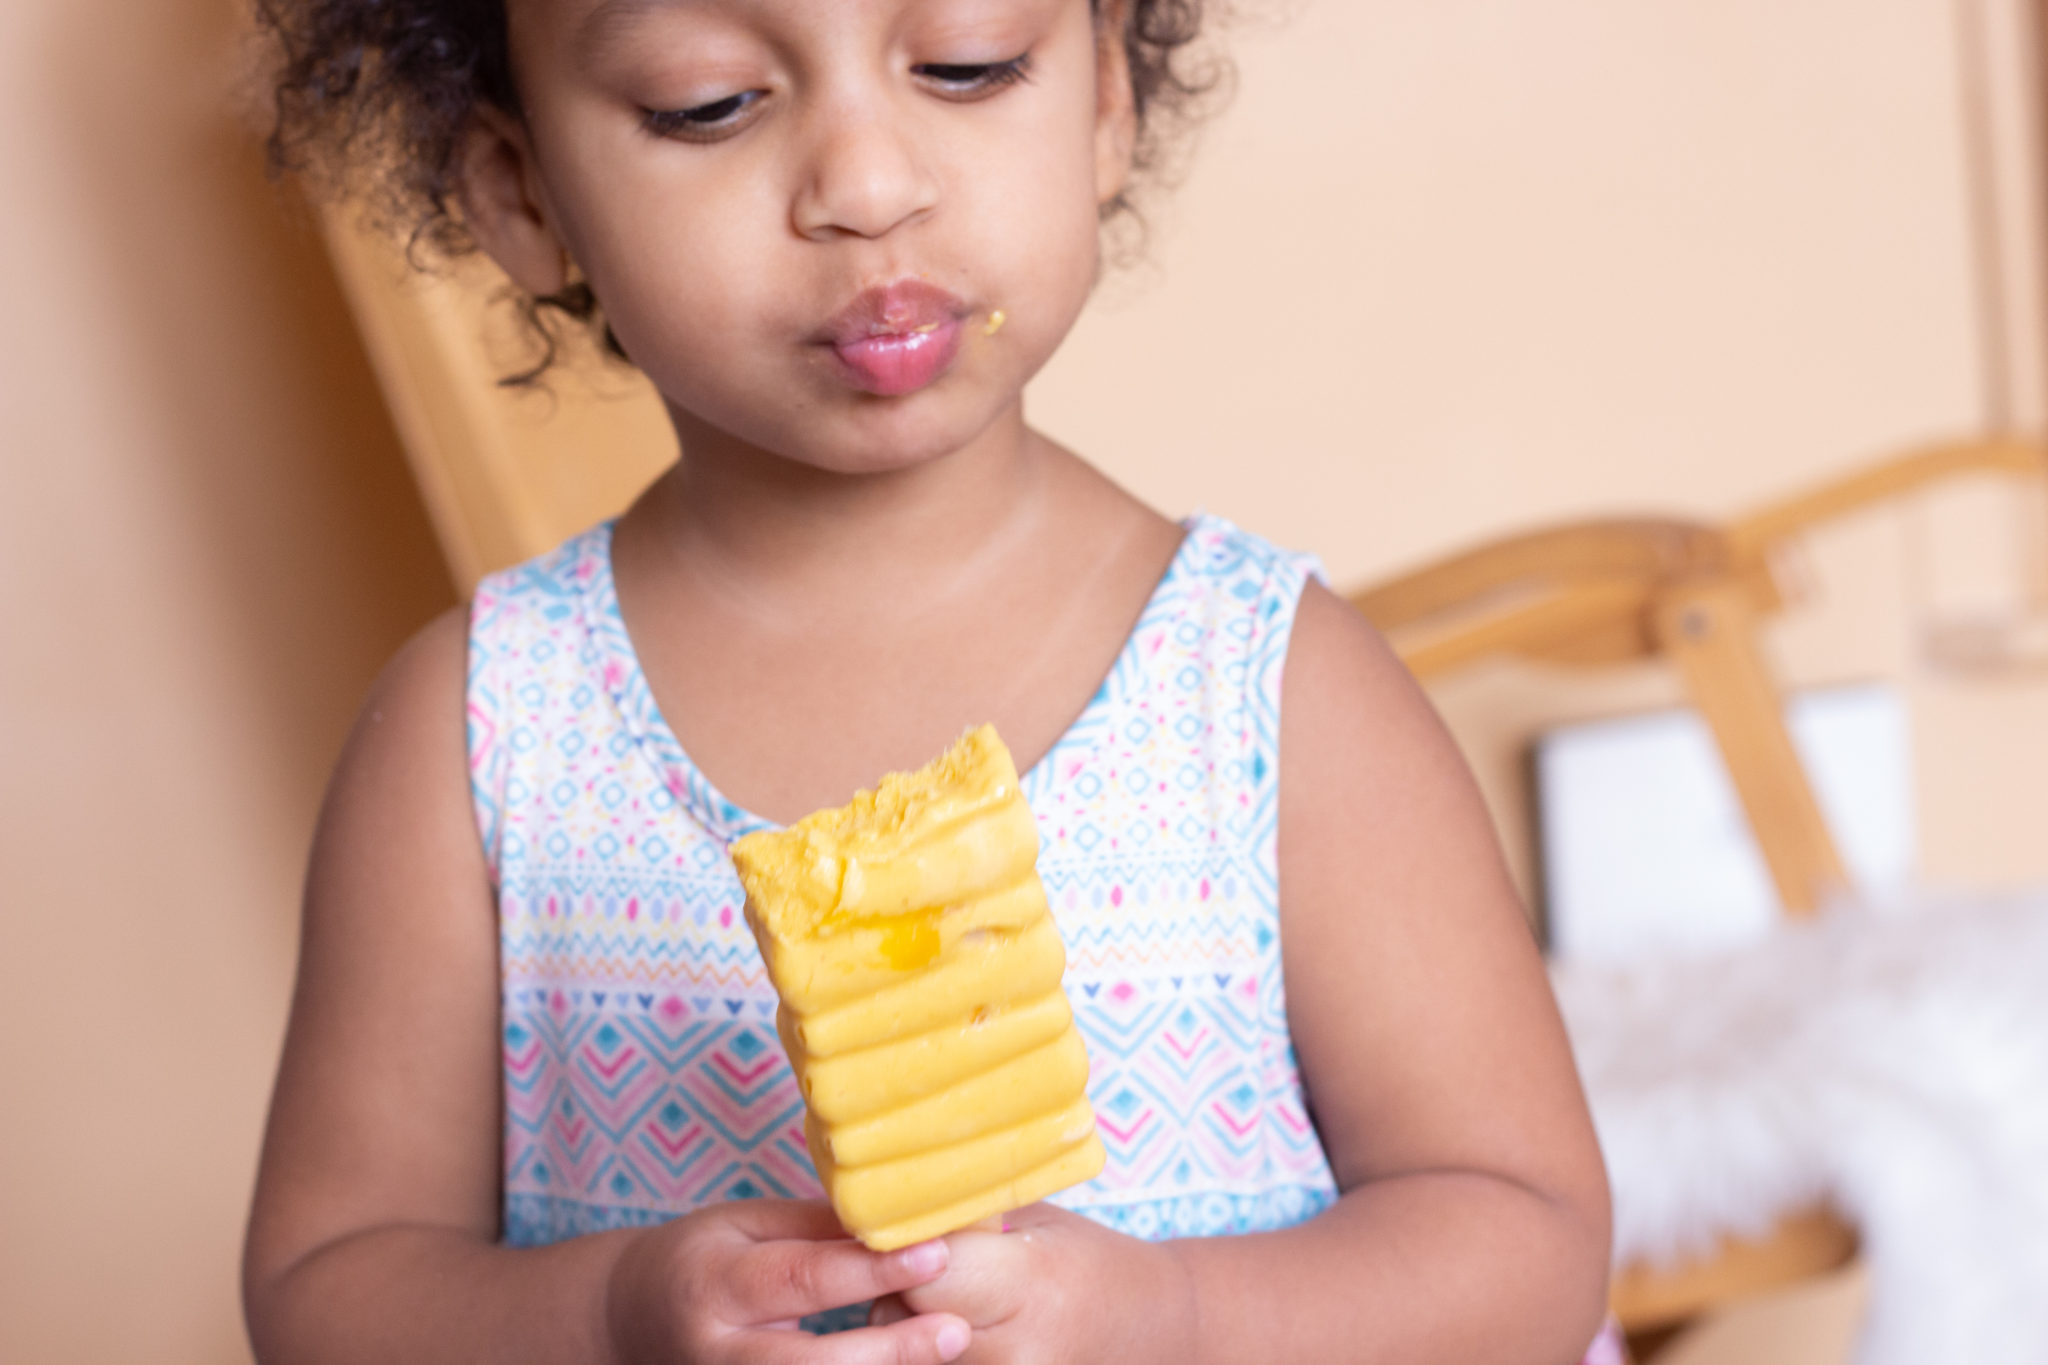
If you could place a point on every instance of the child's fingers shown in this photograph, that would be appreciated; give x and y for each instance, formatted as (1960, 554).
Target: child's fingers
(985, 1281)
(929, 1339)
(774, 1281)
(772, 1220)
(886, 1310)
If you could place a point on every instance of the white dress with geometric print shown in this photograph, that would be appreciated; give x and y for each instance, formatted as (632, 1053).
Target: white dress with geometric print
(642, 1074)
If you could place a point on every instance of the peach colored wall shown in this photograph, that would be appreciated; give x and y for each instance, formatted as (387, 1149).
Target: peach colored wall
(207, 547)
(1443, 270)
(1447, 270)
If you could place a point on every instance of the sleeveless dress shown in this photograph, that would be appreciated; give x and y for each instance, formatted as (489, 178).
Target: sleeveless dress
(643, 1078)
(642, 1073)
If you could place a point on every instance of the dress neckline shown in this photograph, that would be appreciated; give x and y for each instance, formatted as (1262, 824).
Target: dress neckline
(682, 780)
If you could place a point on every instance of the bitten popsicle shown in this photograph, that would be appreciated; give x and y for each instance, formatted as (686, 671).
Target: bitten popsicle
(918, 966)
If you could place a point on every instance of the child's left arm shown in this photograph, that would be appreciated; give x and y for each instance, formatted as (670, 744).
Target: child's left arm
(1473, 1225)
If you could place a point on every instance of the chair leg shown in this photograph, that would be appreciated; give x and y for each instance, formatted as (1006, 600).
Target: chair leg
(1710, 631)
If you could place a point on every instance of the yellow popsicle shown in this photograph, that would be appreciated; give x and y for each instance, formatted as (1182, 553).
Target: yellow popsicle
(919, 973)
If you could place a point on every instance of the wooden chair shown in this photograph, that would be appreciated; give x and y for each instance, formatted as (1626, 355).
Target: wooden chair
(505, 475)
(1693, 594)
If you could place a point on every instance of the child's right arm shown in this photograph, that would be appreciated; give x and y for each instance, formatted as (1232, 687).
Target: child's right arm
(374, 1232)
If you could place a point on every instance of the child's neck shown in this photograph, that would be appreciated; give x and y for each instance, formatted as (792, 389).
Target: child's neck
(784, 529)
(804, 632)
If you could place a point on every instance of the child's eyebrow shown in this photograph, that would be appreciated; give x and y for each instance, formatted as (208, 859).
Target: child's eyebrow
(604, 24)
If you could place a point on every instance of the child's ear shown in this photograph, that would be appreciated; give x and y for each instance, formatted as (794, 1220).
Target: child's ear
(504, 207)
(1116, 115)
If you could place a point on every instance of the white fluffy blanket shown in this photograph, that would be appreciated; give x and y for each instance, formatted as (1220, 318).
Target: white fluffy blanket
(1893, 1063)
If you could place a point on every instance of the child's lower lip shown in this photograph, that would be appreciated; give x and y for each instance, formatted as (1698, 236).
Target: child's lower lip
(901, 362)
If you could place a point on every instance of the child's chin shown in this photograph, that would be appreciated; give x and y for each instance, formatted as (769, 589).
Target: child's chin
(889, 446)
(859, 462)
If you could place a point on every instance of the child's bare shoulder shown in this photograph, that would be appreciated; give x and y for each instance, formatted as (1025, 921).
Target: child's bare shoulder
(413, 710)
(1373, 790)
(1348, 696)
(400, 787)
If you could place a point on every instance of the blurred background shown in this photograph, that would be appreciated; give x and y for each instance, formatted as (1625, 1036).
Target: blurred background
(1440, 272)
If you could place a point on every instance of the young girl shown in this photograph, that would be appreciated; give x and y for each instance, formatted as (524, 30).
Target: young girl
(531, 1105)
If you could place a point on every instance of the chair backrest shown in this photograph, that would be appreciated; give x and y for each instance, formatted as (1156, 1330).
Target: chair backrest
(1694, 595)
(504, 474)
(1690, 593)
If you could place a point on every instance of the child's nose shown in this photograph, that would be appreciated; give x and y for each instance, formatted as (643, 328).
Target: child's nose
(866, 176)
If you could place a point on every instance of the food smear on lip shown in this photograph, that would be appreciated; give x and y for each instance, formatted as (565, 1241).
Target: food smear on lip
(896, 339)
(918, 969)
(995, 323)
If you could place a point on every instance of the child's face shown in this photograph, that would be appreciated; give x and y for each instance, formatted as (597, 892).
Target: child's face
(801, 217)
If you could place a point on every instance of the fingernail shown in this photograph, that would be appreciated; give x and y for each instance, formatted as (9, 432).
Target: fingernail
(952, 1341)
(926, 1258)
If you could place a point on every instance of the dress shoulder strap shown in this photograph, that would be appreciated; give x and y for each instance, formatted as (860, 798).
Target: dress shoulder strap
(1247, 570)
(527, 648)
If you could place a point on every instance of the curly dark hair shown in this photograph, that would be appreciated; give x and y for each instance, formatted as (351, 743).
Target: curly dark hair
(373, 98)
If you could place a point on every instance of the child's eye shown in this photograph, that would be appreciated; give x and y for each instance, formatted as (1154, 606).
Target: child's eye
(974, 80)
(704, 122)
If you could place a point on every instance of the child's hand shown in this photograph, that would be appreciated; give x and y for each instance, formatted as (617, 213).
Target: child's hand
(729, 1282)
(1057, 1288)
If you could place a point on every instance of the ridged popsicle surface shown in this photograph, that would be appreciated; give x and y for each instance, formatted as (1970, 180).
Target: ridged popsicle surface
(919, 968)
